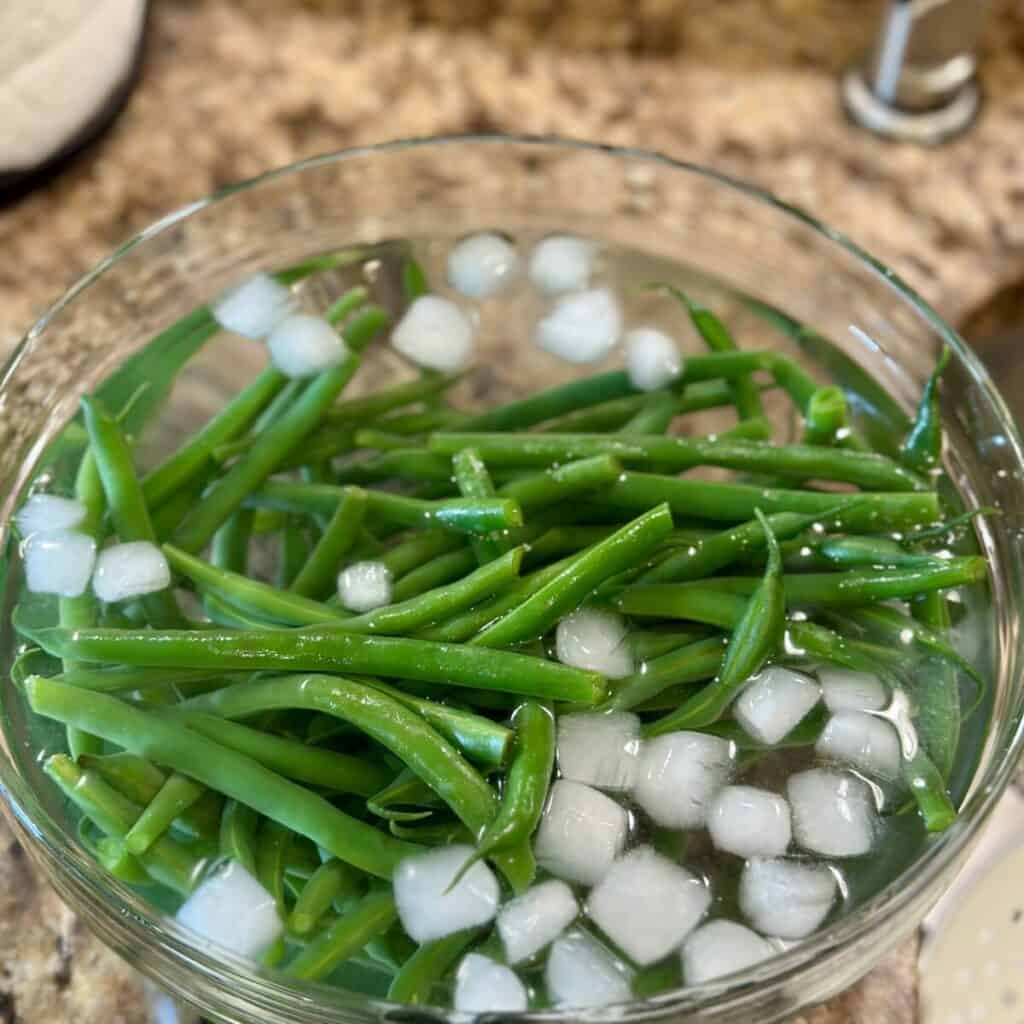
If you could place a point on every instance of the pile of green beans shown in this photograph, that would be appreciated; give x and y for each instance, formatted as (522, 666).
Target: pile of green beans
(232, 717)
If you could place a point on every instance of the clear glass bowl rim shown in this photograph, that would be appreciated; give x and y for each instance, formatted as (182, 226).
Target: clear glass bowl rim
(137, 917)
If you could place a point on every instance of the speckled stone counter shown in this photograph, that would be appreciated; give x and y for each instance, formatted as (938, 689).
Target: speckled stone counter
(233, 87)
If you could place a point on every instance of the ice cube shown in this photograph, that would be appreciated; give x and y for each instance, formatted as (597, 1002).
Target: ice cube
(786, 898)
(581, 833)
(60, 562)
(719, 948)
(232, 909)
(653, 359)
(561, 263)
(47, 513)
(481, 265)
(130, 570)
(428, 909)
(774, 702)
(364, 586)
(749, 822)
(583, 327)
(593, 639)
(864, 741)
(581, 973)
(679, 775)
(482, 985)
(647, 905)
(254, 307)
(434, 333)
(833, 812)
(602, 750)
(846, 690)
(303, 345)
(531, 921)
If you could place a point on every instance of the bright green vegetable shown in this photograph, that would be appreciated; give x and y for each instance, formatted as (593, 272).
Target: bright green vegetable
(219, 768)
(756, 638)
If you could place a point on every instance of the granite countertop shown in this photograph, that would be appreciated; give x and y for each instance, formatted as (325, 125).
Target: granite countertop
(233, 87)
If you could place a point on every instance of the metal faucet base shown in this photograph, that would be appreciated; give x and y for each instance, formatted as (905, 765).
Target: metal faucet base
(925, 127)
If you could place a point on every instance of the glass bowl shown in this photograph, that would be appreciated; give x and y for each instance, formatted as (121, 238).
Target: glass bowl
(724, 232)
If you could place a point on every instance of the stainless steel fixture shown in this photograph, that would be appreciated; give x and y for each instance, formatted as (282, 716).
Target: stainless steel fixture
(919, 84)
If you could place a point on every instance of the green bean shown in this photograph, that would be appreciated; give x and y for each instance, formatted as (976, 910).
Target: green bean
(482, 741)
(238, 827)
(825, 417)
(326, 769)
(73, 612)
(175, 797)
(328, 649)
(655, 416)
(403, 463)
(757, 636)
(865, 469)
(688, 664)
(460, 515)
(118, 679)
(615, 413)
(831, 589)
(430, 576)
(155, 366)
(558, 541)
(124, 497)
(116, 860)
(223, 613)
(881, 416)
(473, 481)
(718, 339)
(647, 645)
(939, 712)
(422, 422)
(279, 439)
(232, 774)
(230, 548)
(414, 280)
(140, 781)
(420, 549)
(461, 627)
(166, 860)
(380, 440)
(379, 716)
(414, 983)
(332, 882)
(405, 790)
(816, 642)
(318, 574)
(922, 449)
(195, 456)
(526, 785)
(540, 490)
(856, 552)
(556, 401)
(391, 724)
(566, 591)
(731, 502)
(249, 595)
(406, 617)
(293, 552)
(440, 832)
(167, 516)
(372, 916)
(891, 627)
(371, 407)
(721, 549)
(282, 401)
(391, 949)
(272, 846)
(928, 788)
(804, 734)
